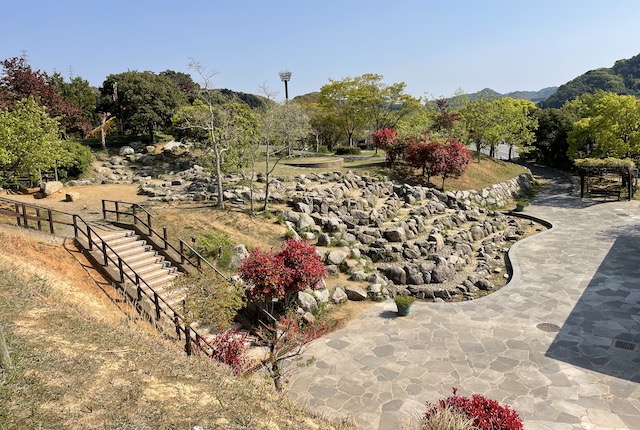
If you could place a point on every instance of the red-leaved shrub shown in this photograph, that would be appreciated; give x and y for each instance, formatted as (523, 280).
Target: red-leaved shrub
(487, 414)
(229, 349)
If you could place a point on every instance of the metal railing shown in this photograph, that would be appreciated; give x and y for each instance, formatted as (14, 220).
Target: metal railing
(84, 233)
(142, 217)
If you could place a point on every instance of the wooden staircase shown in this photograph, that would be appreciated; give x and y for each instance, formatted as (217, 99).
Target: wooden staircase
(156, 272)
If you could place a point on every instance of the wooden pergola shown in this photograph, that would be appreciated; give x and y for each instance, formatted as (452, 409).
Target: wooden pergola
(590, 167)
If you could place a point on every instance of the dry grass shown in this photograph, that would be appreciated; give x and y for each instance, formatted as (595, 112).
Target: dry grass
(78, 367)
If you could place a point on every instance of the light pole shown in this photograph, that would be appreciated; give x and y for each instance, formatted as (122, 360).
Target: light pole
(285, 76)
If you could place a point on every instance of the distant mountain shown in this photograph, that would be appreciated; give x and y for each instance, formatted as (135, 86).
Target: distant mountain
(622, 78)
(534, 96)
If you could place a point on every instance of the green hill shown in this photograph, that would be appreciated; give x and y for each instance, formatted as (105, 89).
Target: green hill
(622, 78)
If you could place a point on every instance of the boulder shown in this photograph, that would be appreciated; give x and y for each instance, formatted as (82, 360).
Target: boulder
(321, 295)
(376, 292)
(72, 196)
(477, 233)
(126, 150)
(397, 275)
(339, 296)
(239, 254)
(440, 273)
(355, 293)
(324, 240)
(305, 222)
(307, 302)
(52, 187)
(336, 257)
(395, 235)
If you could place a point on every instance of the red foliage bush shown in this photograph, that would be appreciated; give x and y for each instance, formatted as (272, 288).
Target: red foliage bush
(229, 349)
(294, 268)
(487, 414)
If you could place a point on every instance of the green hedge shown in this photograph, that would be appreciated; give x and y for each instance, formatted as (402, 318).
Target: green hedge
(347, 150)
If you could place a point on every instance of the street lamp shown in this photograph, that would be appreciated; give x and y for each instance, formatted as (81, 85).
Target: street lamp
(285, 76)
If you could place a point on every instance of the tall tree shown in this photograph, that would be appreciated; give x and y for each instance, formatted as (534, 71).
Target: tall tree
(143, 101)
(609, 126)
(19, 81)
(340, 100)
(550, 145)
(28, 138)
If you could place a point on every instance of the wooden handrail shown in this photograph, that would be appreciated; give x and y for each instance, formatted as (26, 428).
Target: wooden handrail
(93, 239)
(166, 244)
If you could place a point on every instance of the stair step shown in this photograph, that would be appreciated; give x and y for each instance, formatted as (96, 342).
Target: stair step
(119, 241)
(108, 236)
(145, 258)
(130, 252)
(150, 272)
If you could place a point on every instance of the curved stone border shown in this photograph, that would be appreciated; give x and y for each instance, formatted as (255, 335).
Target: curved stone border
(511, 261)
(497, 195)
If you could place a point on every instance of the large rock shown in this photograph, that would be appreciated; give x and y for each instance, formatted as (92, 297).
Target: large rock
(239, 254)
(321, 295)
(438, 240)
(52, 187)
(395, 235)
(440, 274)
(305, 222)
(126, 150)
(477, 233)
(336, 257)
(339, 296)
(355, 293)
(397, 275)
(72, 196)
(307, 302)
(323, 240)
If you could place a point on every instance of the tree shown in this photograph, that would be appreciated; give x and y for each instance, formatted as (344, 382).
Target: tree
(520, 123)
(479, 120)
(282, 125)
(389, 141)
(142, 101)
(383, 105)
(609, 126)
(550, 146)
(426, 154)
(28, 139)
(79, 92)
(456, 159)
(340, 100)
(19, 81)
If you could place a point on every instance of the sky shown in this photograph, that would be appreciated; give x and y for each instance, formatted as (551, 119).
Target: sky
(435, 46)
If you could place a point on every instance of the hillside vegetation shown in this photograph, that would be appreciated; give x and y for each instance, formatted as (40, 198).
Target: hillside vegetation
(622, 78)
(79, 362)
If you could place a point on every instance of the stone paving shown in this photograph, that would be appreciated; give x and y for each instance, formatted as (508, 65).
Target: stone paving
(583, 275)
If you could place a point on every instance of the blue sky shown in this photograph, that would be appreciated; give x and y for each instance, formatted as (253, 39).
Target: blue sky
(435, 47)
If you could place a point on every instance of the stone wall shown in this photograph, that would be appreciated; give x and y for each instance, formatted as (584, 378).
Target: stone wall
(498, 195)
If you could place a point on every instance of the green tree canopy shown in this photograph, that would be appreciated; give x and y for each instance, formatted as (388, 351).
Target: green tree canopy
(143, 101)
(28, 138)
(609, 126)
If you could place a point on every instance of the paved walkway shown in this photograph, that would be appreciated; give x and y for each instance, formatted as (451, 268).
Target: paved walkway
(583, 275)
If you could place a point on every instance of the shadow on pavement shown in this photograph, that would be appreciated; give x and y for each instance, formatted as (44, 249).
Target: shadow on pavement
(602, 333)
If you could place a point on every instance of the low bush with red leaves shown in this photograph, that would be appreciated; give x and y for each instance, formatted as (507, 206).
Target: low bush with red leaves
(229, 349)
(487, 414)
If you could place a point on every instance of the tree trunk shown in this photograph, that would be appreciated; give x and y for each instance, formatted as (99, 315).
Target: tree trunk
(5, 359)
(478, 148)
(103, 133)
(443, 178)
(510, 149)
(277, 377)
(268, 178)
(218, 177)
(152, 134)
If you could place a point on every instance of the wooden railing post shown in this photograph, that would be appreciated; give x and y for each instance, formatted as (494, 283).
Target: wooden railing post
(104, 253)
(117, 211)
(175, 321)
(181, 251)
(135, 218)
(89, 238)
(164, 237)
(104, 209)
(120, 269)
(187, 337)
(149, 222)
(75, 226)
(157, 303)
(51, 229)
(24, 216)
(18, 220)
(38, 219)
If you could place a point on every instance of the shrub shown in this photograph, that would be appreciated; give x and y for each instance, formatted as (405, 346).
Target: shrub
(229, 349)
(487, 414)
(279, 275)
(447, 419)
(215, 246)
(404, 300)
(347, 150)
(76, 158)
